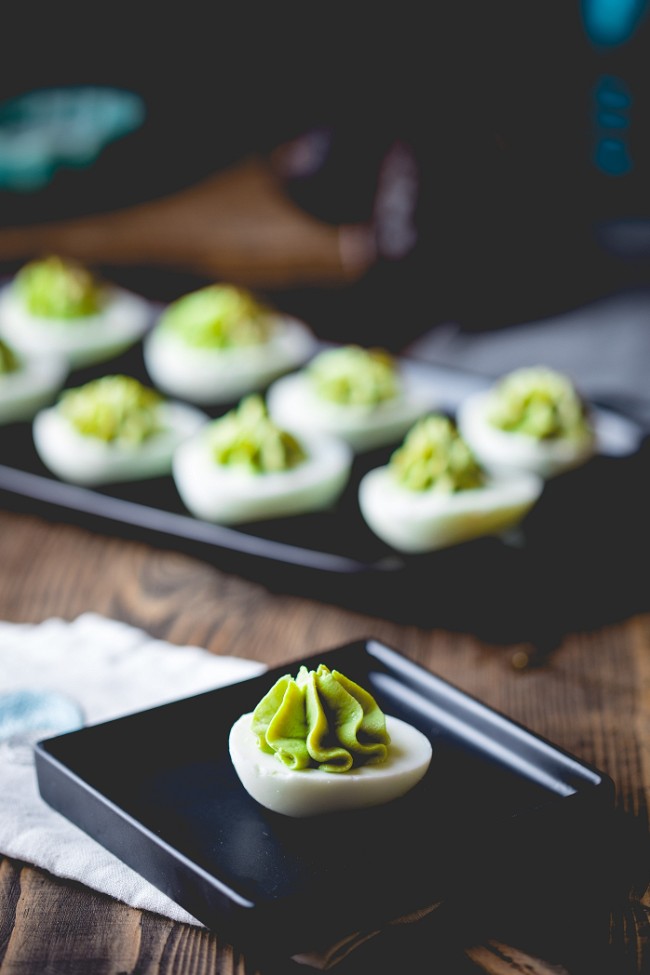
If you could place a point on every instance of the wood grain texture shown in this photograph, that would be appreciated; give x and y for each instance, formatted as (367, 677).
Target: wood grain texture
(592, 697)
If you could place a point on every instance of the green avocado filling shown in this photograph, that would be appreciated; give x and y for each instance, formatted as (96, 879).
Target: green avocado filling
(113, 409)
(219, 316)
(9, 361)
(58, 288)
(321, 719)
(540, 403)
(354, 376)
(434, 457)
(247, 438)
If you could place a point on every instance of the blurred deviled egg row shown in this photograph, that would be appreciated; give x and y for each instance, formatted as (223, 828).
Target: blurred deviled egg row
(479, 474)
(299, 415)
(112, 429)
(27, 382)
(220, 342)
(434, 493)
(364, 396)
(533, 418)
(57, 307)
(236, 468)
(245, 465)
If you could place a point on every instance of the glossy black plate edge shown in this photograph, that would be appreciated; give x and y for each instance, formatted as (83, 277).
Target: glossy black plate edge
(394, 587)
(556, 767)
(222, 909)
(138, 847)
(54, 496)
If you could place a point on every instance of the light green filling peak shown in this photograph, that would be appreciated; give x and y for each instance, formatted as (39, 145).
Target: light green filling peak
(434, 457)
(321, 719)
(352, 375)
(247, 438)
(58, 288)
(113, 409)
(219, 316)
(540, 403)
(9, 361)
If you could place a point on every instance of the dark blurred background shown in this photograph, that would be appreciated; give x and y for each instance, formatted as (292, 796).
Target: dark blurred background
(487, 162)
(467, 182)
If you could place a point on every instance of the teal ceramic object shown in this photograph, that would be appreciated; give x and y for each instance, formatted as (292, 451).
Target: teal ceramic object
(47, 129)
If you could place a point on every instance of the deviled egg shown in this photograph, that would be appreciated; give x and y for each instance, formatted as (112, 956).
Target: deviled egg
(532, 419)
(244, 467)
(218, 343)
(27, 382)
(56, 306)
(112, 429)
(320, 743)
(361, 395)
(433, 493)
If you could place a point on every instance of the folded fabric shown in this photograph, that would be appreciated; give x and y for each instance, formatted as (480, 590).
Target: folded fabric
(58, 675)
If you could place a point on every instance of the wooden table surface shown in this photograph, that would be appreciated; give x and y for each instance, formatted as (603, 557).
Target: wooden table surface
(591, 696)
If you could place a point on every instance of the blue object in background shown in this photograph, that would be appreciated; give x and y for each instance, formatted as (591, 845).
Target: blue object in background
(610, 22)
(612, 103)
(50, 128)
(30, 714)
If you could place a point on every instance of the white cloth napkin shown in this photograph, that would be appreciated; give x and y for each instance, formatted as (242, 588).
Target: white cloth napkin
(106, 669)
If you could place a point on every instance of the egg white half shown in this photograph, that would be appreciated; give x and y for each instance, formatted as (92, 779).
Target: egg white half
(213, 376)
(227, 495)
(81, 341)
(508, 450)
(291, 400)
(30, 387)
(90, 461)
(311, 792)
(423, 521)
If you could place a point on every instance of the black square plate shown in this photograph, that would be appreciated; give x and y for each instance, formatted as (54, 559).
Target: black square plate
(490, 584)
(158, 789)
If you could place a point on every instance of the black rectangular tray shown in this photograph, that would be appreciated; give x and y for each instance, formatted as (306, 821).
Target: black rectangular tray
(498, 805)
(488, 585)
